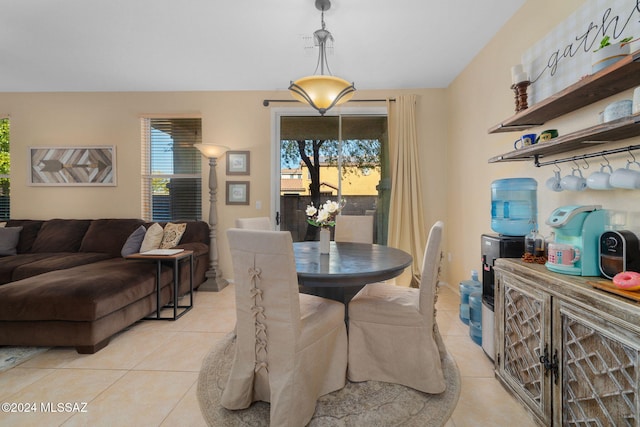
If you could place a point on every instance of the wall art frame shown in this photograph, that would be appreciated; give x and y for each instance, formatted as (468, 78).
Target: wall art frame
(237, 193)
(72, 166)
(238, 163)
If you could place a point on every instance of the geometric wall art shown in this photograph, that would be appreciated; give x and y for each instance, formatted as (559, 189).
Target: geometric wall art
(81, 166)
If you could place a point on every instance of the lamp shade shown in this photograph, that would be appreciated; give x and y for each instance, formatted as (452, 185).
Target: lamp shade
(211, 150)
(322, 92)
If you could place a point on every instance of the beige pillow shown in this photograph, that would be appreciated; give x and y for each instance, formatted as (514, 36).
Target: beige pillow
(152, 238)
(2, 224)
(172, 235)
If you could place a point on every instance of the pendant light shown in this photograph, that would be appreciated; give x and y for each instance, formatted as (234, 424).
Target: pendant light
(321, 91)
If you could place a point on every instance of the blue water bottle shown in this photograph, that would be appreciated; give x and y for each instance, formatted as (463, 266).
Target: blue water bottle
(467, 287)
(475, 317)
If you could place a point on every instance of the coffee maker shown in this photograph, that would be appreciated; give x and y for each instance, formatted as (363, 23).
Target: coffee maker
(578, 227)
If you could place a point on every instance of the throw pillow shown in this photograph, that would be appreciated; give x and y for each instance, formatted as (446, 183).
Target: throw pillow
(134, 242)
(3, 224)
(9, 237)
(152, 238)
(172, 235)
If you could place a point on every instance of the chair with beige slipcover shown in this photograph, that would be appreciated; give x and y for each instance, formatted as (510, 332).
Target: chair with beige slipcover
(256, 223)
(354, 228)
(291, 348)
(391, 329)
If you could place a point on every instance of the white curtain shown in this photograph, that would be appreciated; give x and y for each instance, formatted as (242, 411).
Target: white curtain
(407, 229)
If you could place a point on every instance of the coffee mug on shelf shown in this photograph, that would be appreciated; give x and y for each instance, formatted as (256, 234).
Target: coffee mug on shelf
(547, 135)
(574, 182)
(525, 140)
(600, 180)
(626, 177)
(563, 254)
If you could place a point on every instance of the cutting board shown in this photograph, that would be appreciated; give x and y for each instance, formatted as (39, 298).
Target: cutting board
(608, 286)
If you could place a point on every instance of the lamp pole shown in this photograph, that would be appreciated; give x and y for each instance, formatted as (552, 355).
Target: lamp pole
(215, 281)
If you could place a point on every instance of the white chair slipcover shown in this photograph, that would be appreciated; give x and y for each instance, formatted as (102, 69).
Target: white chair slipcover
(291, 348)
(256, 223)
(391, 335)
(354, 229)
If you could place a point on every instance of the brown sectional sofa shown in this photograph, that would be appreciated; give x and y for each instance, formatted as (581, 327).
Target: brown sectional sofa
(68, 284)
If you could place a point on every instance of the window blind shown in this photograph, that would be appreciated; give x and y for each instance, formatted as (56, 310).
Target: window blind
(171, 169)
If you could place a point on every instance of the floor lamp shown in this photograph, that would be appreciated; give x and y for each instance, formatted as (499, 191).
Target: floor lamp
(215, 281)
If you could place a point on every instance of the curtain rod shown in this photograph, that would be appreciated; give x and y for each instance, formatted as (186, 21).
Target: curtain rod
(267, 101)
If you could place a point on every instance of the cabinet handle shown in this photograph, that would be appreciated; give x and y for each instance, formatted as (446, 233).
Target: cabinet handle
(550, 365)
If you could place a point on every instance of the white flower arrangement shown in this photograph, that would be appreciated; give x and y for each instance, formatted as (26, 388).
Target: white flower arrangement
(326, 215)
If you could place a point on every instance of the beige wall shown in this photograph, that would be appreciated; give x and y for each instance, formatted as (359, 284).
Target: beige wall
(235, 119)
(480, 98)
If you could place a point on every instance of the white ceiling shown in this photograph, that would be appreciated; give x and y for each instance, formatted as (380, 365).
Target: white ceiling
(167, 45)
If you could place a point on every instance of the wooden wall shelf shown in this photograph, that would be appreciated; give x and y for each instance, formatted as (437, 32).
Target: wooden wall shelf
(616, 130)
(614, 79)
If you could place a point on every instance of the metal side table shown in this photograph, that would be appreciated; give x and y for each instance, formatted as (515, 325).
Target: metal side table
(174, 260)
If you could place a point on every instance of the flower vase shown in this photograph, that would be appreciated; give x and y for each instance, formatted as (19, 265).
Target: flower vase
(325, 237)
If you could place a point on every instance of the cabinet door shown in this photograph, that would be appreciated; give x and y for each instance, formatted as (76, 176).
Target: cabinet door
(524, 321)
(599, 370)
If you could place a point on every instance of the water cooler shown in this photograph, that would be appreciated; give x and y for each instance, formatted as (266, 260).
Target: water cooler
(494, 246)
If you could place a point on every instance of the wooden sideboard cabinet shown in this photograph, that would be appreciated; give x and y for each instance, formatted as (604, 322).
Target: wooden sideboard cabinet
(569, 352)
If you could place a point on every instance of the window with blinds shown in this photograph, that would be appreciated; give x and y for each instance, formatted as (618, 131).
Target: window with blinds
(171, 169)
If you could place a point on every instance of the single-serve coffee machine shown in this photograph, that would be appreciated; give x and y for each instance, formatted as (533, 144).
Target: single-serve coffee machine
(576, 247)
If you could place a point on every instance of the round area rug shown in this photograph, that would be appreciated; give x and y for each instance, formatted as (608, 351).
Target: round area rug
(368, 403)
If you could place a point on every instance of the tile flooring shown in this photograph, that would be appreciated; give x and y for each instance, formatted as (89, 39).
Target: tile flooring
(147, 376)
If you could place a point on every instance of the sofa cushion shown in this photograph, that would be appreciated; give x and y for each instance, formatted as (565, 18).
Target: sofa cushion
(172, 235)
(9, 263)
(83, 293)
(108, 235)
(134, 242)
(61, 235)
(30, 228)
(56, 261)
(152, 238)
(9, 237)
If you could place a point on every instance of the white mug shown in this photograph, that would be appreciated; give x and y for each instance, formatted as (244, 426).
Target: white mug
(626, 177)
(574, 182)
(553, 183)
(600, 180)
(636, 101)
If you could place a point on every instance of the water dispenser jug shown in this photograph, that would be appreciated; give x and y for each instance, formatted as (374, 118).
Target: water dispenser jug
(475, 317)
(514, 206)
(467, 287)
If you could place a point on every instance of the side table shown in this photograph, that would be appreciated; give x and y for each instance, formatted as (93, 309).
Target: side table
(174, 261)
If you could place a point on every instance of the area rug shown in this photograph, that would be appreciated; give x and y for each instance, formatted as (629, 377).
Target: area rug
(12, 356)
(368, 403)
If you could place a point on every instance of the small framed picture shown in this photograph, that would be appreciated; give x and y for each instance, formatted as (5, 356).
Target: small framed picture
(238, 163)
(237, 192)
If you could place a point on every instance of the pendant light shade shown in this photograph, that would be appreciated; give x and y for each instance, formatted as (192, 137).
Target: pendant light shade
(321, 91)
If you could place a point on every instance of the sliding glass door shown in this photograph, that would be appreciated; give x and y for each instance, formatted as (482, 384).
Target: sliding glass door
(330, 158)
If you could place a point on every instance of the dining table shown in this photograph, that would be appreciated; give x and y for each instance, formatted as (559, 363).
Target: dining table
(347, 268)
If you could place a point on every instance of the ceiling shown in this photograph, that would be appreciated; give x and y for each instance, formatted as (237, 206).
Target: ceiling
(188, 45)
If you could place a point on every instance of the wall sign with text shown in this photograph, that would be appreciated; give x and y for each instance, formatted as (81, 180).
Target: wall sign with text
(563, 56)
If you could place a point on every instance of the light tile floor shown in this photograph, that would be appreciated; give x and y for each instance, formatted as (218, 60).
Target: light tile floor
(147, 375)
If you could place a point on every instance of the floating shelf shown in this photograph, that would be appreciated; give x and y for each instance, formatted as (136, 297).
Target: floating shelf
(614, 79)
(616, 130)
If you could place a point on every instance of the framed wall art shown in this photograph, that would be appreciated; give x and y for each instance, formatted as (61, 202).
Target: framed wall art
(237, 192)
(238, 163)
(82, 166)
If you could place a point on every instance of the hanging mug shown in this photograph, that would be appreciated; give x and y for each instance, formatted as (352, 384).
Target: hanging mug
(574, 182)
(553, 183)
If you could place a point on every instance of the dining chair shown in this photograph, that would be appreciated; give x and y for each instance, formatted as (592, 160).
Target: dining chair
(291, 348)
(256, 223)
(391, 329)
(354, 229)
